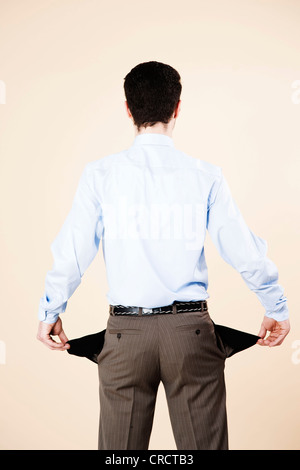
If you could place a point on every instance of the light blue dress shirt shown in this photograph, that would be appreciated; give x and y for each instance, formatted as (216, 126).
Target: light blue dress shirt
(151, 206)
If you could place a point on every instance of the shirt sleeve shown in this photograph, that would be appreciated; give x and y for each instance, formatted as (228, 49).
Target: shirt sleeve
(73, 250)
(244, 251)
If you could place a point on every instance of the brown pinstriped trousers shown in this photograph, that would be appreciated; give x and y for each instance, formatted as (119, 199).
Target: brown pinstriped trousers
(181, 351)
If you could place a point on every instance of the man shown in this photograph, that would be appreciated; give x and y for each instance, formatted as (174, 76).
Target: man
(151, 205)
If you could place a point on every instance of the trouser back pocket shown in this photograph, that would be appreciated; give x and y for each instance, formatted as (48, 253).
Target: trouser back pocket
(229, 340)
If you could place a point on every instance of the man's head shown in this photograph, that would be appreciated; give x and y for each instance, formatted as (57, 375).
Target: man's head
(152, 91)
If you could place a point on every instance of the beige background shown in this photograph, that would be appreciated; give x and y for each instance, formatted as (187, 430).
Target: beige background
(63, 64)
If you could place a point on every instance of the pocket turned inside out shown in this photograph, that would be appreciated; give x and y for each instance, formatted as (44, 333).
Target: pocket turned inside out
(88, 346)
(233, 341)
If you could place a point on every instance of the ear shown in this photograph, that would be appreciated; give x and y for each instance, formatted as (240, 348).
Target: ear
(127, 110)
(177, 109)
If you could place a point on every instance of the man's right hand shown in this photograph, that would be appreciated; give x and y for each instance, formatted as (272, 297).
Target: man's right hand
(278, 330)
(45, 333)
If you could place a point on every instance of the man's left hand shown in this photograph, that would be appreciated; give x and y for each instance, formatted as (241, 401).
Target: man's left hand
(278, 330)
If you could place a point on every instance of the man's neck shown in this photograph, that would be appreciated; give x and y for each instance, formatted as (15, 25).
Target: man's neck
(159, 128)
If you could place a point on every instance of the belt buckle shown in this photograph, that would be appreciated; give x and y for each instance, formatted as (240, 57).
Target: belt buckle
(147, 310)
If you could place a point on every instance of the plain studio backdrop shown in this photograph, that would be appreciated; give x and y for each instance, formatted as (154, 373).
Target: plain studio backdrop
(62, 105)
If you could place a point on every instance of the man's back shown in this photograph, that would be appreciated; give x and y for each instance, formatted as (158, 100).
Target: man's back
(154, 204)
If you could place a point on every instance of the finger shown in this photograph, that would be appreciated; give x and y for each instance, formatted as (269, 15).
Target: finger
(263, 342)
(63, 337)
(262, 332)
(277, 341)
(51, 344)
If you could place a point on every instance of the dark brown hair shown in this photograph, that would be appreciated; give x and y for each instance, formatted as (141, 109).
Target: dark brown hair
(152, 91)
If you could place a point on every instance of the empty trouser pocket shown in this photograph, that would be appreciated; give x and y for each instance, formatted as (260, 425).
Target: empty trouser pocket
(229, 340)
(88, 346)
(232, 341)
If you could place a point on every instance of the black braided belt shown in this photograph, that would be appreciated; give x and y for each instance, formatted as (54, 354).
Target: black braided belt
(175, 307)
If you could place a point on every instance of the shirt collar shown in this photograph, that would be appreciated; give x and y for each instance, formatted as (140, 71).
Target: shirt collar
(153, 139)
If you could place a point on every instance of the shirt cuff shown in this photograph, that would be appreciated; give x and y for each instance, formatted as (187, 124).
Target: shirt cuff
(48, 317)
(47, 314)
(280, 314)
